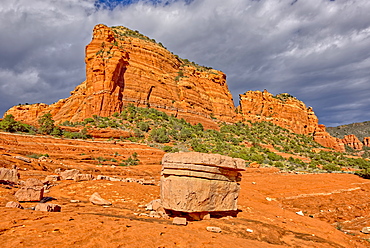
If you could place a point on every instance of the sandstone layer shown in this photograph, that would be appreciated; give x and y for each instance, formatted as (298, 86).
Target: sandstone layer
(199, 182)
(324, 138)
(353, 142)
(283, 110)
(288, 112)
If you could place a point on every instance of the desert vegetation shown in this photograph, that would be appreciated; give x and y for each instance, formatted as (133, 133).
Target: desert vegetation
(260, 142)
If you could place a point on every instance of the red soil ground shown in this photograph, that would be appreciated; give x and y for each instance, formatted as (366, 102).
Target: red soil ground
(335, 206)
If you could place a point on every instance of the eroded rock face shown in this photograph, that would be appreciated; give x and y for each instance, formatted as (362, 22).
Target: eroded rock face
(199, 182)
(324, 138)
(352, 141)
(122, 70)
(283, 110)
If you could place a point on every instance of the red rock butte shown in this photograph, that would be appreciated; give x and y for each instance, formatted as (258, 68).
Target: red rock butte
(124, 66)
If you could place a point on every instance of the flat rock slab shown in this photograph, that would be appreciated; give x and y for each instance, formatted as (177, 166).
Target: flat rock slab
(9, 175)
(25, 194)
(198, 158)
(214, 229)
(179, 221)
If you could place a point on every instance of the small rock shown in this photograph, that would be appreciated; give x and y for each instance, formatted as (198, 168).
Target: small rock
(9, 175)
(101, 177)
(69, 174)
(52, 178)
(35, 193)
(154, 214)
(268, 199)
(249, 230)
(48, 207)
(98, 200)
(148, 182)
(214, 229)
(154, 205)
(13, 204)
(31, 182)
(253, 182)
(300, 213)
(114, 179)
(366, 230)
(83, 177)
(27, 160)
(74, 201)
(179, 221)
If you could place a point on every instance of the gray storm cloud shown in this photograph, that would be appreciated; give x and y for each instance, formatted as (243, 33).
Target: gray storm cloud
(316, 50)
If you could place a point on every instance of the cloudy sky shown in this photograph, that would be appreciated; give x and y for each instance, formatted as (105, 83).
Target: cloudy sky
(316, 50)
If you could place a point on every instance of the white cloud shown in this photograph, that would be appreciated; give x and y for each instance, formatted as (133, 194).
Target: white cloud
(316, 50)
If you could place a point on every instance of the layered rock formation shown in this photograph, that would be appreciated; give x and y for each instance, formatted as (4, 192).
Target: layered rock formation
(322, 137)
(352, 141)
(288, 112)
(283, 110)
(199, 182)
(124, 67)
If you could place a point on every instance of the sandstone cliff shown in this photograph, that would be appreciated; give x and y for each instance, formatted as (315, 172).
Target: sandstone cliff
(124, 66)
(323, 138)
(283, 110)
(288, 112)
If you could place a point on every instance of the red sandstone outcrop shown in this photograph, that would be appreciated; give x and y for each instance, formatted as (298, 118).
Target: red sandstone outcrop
(122, 69)
(367, 141)
(283, 110)
(288, 112)
(322, 137)
(352, 141)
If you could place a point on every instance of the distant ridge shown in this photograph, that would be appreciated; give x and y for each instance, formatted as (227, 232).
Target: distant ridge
(359, 129)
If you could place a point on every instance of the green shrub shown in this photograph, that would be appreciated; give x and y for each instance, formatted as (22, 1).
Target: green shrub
(331, 167)
(130, 161)
(143, 126)
(8, 124)
(160, 135)
(46, 124)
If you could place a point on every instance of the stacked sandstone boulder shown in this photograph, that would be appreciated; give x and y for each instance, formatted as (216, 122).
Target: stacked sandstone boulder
(200, 183)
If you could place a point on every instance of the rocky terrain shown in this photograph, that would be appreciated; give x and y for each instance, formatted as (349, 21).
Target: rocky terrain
(275, 209)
